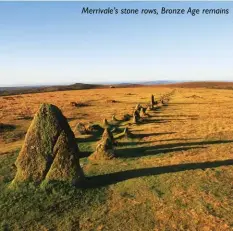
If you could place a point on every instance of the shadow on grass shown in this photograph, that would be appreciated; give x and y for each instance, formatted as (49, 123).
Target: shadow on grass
(84, 154)
(179, 139)
(92, 138)
(149, 151)
(165, 148)
(144, 121)
(113, 178)
(176, 116)
(147, 121)
(6, 127)
(166, 109)
(142, 135)
(170, 118)
(132, 143)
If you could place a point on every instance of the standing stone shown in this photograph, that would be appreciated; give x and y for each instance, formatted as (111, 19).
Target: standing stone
(107, 134)
(127, 133)
(136, 116)
(142, 112)
(138, 107)
(49, 151)
(152, 101)
(105, 148)
(105, 122)
(147, 109)
(135, 119)
(114, 118)
(136, 113)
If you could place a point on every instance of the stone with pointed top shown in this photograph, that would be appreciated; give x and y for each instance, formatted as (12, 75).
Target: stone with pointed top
(135, 119)
(152, 100)
(147, 109)
(107, 134)
(127, 133)
(142, 112)
(49, 152)
(114, 118)
(138, 107)
(105, 122)
(105, 148)
(136, 114)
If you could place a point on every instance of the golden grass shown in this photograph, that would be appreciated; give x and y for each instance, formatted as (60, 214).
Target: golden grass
(15, 108)
(195, 127)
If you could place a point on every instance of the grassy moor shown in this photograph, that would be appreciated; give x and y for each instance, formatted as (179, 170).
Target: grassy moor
(151, 157)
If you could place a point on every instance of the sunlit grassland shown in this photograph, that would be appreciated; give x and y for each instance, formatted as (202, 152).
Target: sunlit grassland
(175, 173)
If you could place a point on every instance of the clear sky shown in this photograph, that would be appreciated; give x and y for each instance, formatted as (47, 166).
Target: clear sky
(52, 42)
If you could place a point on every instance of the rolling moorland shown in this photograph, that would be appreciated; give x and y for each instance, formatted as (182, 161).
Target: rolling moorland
(5, 91)
(174, 173)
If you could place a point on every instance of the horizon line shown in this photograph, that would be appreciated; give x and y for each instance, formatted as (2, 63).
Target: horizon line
(153, 82)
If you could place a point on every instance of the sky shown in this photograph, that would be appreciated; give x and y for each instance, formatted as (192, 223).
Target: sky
(53, 43)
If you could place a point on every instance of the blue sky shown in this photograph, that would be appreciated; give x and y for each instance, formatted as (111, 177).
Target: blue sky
(52, 42)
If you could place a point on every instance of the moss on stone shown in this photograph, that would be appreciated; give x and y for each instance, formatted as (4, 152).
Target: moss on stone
(48, 135)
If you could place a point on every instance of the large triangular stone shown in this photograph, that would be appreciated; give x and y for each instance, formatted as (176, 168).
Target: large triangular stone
(49, 150)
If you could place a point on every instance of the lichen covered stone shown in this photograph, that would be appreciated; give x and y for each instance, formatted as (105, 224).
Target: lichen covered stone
(104, 150)
(49, 151)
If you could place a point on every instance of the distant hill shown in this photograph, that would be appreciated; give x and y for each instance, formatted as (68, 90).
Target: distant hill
(4, 91)
(157, 82)
(145, 83)
(204, 84)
